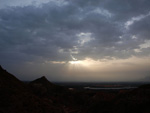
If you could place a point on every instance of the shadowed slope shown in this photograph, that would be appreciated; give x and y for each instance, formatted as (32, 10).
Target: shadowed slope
(7, 80)
(16, 97)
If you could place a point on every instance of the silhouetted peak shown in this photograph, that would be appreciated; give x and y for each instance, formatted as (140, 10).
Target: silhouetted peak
(42, 80)
(16, 97)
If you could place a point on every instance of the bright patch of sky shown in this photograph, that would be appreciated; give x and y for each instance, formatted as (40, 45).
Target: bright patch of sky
(146, 44)
(103, 12)
(73, 58)
(22, 3)
(135, 19)
(84, 38)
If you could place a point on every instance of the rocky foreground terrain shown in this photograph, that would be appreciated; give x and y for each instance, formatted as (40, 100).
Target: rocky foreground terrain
(42, 96)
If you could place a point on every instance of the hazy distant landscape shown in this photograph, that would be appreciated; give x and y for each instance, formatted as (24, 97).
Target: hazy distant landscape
(42, 96)
(101, 85)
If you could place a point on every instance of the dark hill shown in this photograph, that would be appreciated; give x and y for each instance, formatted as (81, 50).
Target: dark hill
(44, 88)
(16, 97)
(9, 81)
(70, 101)
(43, 82)
(125, 101)
(42, 96)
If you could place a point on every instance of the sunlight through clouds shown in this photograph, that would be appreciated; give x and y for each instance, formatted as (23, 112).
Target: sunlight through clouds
(76, 39)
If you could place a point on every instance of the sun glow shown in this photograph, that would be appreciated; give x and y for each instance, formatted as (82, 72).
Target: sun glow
(83, 63)
(75, 62)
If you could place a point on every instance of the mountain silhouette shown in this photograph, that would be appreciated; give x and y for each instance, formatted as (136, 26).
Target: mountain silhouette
(9, 81)
(43, 82)
(16, 97)
(44, 88)
(42, 96)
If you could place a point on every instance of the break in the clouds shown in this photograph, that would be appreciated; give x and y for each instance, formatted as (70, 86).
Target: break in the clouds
(59, 31)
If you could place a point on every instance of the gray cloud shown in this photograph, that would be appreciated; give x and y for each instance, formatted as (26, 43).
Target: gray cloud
(53, 31)
(44, 31)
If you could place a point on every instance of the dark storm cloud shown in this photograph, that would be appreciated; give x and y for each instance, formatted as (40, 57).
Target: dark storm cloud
(55, 31)
(141, 28)
(126, 9)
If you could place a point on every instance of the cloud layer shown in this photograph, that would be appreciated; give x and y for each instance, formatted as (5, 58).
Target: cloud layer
(63, 30)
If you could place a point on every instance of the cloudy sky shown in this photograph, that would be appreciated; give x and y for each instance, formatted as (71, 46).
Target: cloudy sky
(76, 40)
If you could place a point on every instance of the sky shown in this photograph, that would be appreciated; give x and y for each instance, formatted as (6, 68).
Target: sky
(76, 40)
